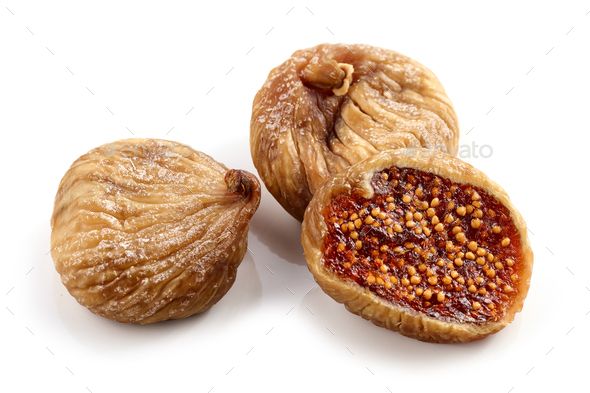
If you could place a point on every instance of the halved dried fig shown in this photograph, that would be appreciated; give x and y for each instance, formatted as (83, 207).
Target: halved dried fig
(330, 106)
(419, 242)
(147, 230)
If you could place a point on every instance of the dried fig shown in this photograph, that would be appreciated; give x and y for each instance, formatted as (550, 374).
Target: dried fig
(330, 106)
(420, 242)
(147, 230)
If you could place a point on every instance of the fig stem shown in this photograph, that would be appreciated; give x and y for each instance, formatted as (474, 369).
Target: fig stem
(343, 89)
(327, 74)
(241, 182)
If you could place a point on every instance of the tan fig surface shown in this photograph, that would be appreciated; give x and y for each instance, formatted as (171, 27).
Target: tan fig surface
(330, 106)
(147, 230)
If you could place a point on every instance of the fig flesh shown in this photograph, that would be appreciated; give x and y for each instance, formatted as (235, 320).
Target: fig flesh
(422, 243)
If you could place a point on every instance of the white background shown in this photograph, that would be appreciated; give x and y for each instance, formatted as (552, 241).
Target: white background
(77, 74)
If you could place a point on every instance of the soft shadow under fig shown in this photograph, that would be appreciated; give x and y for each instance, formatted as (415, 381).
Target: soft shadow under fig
(280, 232)
(360, 335)
(94, 331)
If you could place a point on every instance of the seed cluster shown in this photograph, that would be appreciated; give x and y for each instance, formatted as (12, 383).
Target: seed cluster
(446, 249)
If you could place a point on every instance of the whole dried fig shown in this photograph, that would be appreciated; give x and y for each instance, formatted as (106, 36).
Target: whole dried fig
(330, 106)
(147, 230)
(419, 242)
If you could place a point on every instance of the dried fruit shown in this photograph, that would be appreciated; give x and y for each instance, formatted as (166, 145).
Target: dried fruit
(439, 252)
(146, 230)
(330, 106)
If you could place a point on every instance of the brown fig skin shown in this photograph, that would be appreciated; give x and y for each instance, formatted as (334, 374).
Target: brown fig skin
(332, 105)
(147, 230)
(433, 262)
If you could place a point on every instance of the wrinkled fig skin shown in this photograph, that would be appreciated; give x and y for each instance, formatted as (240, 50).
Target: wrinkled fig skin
(148, 230)
(330, 106)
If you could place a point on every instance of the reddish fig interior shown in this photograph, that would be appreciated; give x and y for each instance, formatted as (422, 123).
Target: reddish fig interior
(445, 249)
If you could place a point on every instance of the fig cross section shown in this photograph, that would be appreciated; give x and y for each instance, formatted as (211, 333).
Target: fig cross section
(420, 242)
